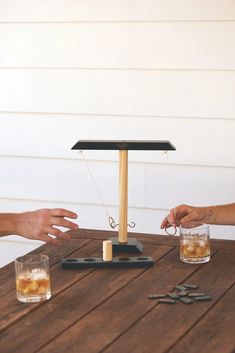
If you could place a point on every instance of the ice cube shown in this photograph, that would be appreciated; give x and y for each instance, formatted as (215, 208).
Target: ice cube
(38, 274)
(202, 243)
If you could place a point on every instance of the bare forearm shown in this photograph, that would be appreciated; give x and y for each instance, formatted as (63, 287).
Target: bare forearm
(8, 224)
(191, 216)
(222, 214)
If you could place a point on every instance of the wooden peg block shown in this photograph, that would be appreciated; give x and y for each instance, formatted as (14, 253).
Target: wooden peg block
(107, 250)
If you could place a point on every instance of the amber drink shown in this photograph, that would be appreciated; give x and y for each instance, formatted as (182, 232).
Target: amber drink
(195, 245)
(32, 278)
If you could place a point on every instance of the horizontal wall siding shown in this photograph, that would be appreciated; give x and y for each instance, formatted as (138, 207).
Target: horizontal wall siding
(156, 93)
(206, 142)
(188, 183)
(158, 45)
(149, 185)
(111, 69)
(116, 10)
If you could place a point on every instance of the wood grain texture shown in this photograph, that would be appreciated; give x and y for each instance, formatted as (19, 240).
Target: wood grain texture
(12, 310)
(206, 335)
(162, 327)
(108, 310)
(131, 304)
(73, 303)
(216, 244)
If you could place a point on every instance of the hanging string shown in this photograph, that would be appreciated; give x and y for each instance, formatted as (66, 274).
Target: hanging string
(107, 213)
(171, 190)
(111, 220)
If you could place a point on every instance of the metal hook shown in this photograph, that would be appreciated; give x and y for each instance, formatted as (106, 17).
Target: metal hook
(113, 225)
(132, 225)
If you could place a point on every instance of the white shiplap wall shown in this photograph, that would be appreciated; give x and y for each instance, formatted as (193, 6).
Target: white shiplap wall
(116, 70)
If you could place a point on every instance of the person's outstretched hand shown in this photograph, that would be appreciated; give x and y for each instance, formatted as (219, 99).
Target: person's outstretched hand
(42, 223)
(187, 216)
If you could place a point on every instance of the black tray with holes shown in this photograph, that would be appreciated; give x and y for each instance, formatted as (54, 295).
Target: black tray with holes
(117, 262)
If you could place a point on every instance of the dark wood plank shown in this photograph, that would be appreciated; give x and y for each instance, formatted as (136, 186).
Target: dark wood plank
(7, 273)
(145, 238)
(215, 332)
(90, 309)
(11, 309)
(83, 233)
(162, 327)
(53, 317)
(216, 244)
(108, 321)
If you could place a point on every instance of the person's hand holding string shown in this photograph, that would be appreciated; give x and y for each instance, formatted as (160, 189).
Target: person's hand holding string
(188, 217)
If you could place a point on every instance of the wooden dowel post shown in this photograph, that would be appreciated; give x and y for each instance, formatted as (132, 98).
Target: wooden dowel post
(123, 195)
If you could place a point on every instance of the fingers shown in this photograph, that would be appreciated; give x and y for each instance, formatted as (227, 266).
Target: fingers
(172, 217)
(189, 218)
(177, 215)
(164, 223)
(50, 219)
(58, 233)
(169, 220)
(61, 222)
(192, 220)
(61, 212)
(46, 238)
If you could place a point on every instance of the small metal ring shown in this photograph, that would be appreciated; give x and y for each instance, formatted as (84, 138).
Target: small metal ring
(173, 233)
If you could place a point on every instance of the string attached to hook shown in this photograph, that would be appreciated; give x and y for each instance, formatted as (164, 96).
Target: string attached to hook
(111, 220)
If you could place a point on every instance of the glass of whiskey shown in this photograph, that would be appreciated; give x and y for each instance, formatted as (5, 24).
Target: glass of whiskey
(195, 244)
(32, 278)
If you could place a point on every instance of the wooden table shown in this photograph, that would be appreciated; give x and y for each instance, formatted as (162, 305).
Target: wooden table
(108, 310)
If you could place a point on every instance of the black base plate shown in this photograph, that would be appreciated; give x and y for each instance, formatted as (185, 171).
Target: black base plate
(132, 246)
(122, 262)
